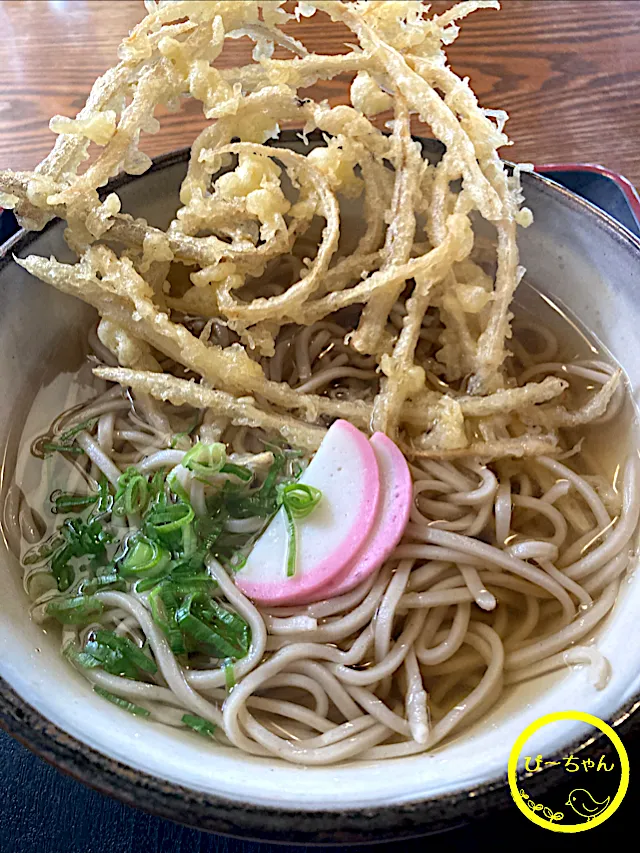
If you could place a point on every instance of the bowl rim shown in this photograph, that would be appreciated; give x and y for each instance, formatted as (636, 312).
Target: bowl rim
(226, 816)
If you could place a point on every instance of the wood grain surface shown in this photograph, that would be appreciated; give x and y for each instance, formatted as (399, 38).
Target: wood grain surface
(567, 71)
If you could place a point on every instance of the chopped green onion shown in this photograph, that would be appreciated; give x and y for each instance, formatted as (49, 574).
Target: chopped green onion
(63, 443)
(262, 502)
(164, 606)
(208, 529)
(240, 471)
(92, 585)
(74, 611)
(111, 660)
(118, 655)
(276, 466)
(156, 487)
(132, 493)
(236, 562)
(300, 498)
(205, 459)
(51, 447)
(147, 584)
(278, 447)
(189, 540)
(199, 724)
(190, 565)
(80, 658)
(121, 703)
(83, 538)
(105, 500)
(65, 437)
(186, 574)
(181, 585)
(298, 501)
(231, 625)
(177, 488)
(128, 648)
(229, 674)
(220, 632)
(292, 542)
(195, 627)
(68, 502)
(197, 584)
(60, 568)
(178, 435)
(161, 520)
(144, 558)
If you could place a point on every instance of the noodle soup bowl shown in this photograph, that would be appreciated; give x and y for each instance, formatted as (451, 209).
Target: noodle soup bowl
(578, 257)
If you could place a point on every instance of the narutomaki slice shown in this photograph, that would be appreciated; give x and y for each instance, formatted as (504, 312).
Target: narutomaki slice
(346, 472)
(391, 520)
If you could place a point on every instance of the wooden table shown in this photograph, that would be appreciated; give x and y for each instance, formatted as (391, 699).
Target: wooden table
(567, 71)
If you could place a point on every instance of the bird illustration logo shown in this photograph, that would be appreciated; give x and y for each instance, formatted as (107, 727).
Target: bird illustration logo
(585, 805)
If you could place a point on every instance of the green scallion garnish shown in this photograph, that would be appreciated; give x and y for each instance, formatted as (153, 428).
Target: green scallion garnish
(78, 610)
(50, 447)
(177, 488)
(218, 631)
(236, 562)
(199, 724)
(132, 493)
(105, 499)
(121, 703)
(229, 675)
(262, 502)
(205, 459)
(90, 586)
(88, 425)
(144, 558)
(80, 658)
(167, 519)
(298, 501)
(156, 487)
(178, 435)
(240, 471)
(164, 607)
(118, 655)
(65, 502)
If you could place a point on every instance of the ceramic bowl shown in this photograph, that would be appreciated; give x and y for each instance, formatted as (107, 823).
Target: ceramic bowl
(576, 255)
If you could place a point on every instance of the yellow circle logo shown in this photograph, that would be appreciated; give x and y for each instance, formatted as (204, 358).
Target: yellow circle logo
(594, 787)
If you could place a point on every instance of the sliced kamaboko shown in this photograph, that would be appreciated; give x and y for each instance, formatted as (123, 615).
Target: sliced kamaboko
(346, 472)
(391, 519)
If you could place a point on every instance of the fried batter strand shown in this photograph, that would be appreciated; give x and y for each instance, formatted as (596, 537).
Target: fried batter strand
(350, 228)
